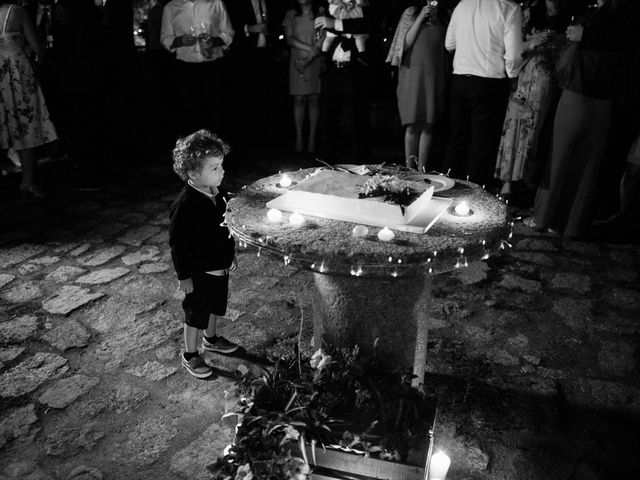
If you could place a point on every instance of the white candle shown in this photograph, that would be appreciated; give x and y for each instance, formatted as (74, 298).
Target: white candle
(386, 235)
(274, 215)
(285, 181)
(439, 466)
(462, 208)
(360, 231)
(296, 219)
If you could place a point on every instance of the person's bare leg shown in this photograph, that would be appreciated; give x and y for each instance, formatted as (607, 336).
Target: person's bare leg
(212, 328)
(190, 339)
(314, 115)
(424, 149)
(299, 104)
(411, 145)
(28, 161)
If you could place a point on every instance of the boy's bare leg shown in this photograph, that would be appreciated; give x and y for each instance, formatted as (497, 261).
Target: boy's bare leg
(212, 328)
(190, 339)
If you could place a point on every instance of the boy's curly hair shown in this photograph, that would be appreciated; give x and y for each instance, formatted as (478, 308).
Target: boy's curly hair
(190, 151)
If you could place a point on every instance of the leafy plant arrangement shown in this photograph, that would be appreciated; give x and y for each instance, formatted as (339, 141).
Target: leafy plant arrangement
(342, 401)
(391, 187)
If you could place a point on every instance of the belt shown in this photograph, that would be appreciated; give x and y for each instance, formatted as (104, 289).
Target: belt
(218, 273)
(341, 64)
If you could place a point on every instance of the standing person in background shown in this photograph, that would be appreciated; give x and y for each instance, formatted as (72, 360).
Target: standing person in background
(345, 85)
(589, 72)
(304, 69)
(530, 102)
(486, 38)
(80, 84)
(24, 119)
(418, 50)
(199, 32)
(258, 26)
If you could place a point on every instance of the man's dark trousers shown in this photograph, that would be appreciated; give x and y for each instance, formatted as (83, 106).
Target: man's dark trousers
(345, 85)
(478, 107)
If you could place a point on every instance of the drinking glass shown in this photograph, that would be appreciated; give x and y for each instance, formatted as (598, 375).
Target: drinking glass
(433, 3)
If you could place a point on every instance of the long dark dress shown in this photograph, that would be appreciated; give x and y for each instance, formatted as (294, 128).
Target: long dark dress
(422, 75)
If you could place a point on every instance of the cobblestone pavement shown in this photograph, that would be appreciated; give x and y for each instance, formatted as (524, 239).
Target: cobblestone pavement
(534, 354)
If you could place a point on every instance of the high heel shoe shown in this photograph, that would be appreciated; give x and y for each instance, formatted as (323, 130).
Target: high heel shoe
(31, 193)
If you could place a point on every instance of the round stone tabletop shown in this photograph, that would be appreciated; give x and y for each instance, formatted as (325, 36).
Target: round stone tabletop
(329, 246)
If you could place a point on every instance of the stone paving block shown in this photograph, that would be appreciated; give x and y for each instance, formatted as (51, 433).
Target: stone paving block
(68, 440)
(162, 220)
(190, 463)
(136, 236)
(161, 238)
(64, 273)
(80, 249)
(22, 292)
(575, 312)
(233, 314)
(536, 258)
(102, 256)
(476, 272)
(7, 354)
(155, 267)
(105, 275)
(16, 423)
(572, 281)
(105, 230)
(582, 248)
(149, 440)
(67, 390)
(18, 330)
(535, 244)
(145, 254)
(617, 358)
(6, 278)
(15, 255)
(622, 275)
(152, 207)
(85, 473)
(152, 370)
(623, 298)
(516, 282)
(115, 313)
(25, 470)
(152, 288)
(70, 334)
(133, 218)
(30, 374)
(69, 298)
(168, 353)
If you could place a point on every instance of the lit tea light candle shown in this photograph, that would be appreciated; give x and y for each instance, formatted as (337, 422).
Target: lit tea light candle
(463, 209)
(285, 181)
(386, 235)
(296, 219)
(360, 231)
(274, 215)
(439, 466)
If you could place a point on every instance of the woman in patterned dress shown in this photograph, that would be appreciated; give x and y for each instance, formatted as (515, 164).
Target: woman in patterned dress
(24, 119)
(530, 103)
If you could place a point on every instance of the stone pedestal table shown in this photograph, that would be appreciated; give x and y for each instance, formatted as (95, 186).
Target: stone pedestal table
(368, 290)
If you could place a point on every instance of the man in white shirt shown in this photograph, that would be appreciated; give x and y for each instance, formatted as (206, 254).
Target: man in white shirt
(199, 32)
(345, 87)
(486, 36)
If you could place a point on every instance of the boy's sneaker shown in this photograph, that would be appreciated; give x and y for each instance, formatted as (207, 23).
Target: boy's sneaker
(219, 345)
(196, 366)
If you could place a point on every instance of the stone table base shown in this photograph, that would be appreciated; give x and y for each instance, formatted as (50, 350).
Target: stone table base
(350, 311)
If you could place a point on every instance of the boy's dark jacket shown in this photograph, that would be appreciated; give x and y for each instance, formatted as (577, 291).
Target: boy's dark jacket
(198, 241)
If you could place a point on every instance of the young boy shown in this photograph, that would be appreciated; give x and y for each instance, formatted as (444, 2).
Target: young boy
(202, 249)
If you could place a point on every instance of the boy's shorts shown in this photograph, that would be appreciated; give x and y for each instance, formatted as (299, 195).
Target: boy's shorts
(209, 296)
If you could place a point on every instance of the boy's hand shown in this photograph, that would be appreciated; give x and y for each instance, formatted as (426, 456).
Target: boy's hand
(186, 285)
(234, 264)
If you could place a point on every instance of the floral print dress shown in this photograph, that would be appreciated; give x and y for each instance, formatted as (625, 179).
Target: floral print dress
(24, 118)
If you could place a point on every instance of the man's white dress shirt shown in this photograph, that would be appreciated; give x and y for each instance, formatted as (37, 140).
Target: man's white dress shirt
(487, 38)
(193, 17)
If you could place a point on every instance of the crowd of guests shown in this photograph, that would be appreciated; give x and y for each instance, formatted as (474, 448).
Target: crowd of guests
(540, 93)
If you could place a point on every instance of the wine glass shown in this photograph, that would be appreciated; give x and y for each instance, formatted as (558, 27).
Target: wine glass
(433, 3)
